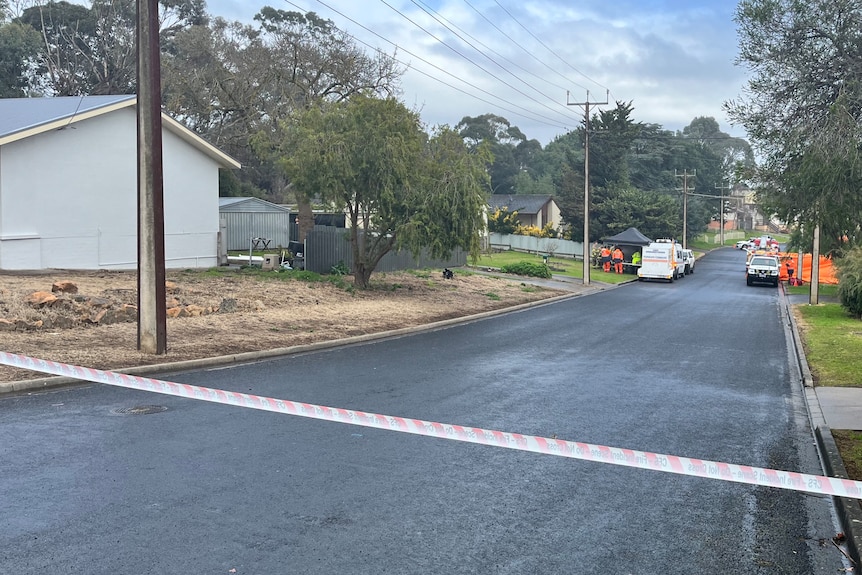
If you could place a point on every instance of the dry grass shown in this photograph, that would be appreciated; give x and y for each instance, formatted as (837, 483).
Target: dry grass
(270, 313)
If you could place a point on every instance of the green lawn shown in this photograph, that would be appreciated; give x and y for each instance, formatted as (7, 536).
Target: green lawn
(824, 289)
(833, 349)
(833, 344)
(559, 266)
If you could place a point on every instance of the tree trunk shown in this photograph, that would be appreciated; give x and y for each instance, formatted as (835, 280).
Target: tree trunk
(305, 218)
(361, 276)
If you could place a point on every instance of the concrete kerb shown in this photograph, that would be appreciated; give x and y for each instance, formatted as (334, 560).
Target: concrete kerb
(46, 383)
(849, 510)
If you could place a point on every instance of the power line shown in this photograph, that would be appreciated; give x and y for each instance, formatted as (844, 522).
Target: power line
(451, 26)
(531, 115)
(526, 51)
(468, 58)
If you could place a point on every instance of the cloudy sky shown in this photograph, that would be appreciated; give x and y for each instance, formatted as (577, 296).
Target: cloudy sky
(672, 59)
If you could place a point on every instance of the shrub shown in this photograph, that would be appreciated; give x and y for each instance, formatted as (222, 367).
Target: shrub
(527, 269)
(503, 221)
(340, 269)
(850, 281)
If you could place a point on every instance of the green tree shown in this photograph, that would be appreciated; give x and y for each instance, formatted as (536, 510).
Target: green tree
(613, 133)
(803, 109)
(92, 50)
(654, 214)
(235, 83)
(372, 158)
(19, 45)
(512, 152)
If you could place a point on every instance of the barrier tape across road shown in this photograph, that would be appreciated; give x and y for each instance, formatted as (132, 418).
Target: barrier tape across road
(817, 484)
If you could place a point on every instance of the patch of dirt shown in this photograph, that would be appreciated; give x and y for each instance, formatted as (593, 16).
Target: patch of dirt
(241, 312)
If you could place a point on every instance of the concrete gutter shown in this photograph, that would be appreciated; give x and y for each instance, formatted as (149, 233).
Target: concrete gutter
(849, 510)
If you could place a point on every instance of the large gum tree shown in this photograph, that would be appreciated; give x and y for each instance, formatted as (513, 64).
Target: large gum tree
(802, 109)
(400, 188)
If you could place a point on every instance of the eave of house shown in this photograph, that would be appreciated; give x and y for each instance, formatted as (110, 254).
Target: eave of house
(168, 123)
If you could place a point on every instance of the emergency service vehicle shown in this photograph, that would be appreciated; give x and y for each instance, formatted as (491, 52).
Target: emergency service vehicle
(662, 260)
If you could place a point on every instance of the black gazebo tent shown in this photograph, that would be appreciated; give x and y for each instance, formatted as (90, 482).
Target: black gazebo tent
(630, 237)
(629, 241)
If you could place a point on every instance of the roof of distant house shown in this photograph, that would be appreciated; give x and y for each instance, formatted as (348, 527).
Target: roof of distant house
(25, 117)
(521, 203)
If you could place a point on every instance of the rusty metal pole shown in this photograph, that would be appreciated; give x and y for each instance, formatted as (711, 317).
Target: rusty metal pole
(152, 319)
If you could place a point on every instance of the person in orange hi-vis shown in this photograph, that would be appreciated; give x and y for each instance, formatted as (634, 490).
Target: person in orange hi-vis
(606, 258)
(618, 260)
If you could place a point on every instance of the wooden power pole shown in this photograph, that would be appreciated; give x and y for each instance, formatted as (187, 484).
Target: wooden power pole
(721, 212)
(152, 317)
(685, 176)
(586, 104)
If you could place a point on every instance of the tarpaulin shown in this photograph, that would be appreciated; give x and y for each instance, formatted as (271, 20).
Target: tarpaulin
(827, 270)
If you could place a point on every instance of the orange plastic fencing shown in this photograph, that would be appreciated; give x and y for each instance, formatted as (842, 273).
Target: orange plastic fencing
(827, 270)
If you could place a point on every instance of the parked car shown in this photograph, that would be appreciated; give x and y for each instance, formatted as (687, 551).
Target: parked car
(689, 259)
(763, 269)
(743, 244)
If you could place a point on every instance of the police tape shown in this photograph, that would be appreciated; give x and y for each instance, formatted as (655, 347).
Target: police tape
(816, 484)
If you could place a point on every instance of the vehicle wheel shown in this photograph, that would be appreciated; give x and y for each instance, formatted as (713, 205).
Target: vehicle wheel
(775, 283)
(747, 281)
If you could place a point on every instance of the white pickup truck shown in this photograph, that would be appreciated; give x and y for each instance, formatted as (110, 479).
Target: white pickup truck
(763, 269)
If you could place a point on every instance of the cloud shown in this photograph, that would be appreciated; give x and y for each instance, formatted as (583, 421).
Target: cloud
(673, 60)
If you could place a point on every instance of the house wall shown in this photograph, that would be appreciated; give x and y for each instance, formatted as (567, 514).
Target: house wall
(68, 199)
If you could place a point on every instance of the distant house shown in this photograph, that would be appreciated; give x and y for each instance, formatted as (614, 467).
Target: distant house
(533, 210)
(247, 219)
(68, 186)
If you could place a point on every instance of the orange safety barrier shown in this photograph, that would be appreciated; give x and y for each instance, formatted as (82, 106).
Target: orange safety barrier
(827, 270)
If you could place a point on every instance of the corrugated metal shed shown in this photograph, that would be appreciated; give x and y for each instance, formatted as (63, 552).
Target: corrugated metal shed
(247, 218)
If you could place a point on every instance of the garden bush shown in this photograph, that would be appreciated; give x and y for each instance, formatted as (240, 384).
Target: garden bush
(527, 269)
(850, 281)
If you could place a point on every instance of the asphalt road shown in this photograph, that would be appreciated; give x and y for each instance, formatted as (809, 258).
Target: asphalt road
(697, 368)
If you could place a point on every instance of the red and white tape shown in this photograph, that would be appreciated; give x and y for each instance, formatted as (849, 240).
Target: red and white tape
(817, 484)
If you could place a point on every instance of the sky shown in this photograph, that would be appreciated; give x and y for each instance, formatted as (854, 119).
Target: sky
(533, 61)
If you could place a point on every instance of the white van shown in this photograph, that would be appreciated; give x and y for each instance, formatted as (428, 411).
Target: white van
(662, 260)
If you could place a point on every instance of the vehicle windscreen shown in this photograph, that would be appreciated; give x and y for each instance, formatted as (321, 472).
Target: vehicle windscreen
(765, 262)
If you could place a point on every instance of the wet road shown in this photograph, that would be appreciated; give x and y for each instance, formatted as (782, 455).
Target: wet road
(697, 368)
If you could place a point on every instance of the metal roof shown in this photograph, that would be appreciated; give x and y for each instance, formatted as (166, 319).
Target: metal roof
(19, 114)
(249, 204)
(22, 118)
(521, 203)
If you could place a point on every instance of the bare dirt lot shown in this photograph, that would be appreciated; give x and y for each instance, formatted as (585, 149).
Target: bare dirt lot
(226, 312)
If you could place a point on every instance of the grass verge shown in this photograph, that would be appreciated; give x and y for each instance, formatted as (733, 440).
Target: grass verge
(567, 267)
(850, 446)
(824, 290)
(833, 348)
(833, 344)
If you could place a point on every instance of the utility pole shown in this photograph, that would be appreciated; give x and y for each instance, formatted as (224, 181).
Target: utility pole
(721, 211)
(152, 317)
(814, 288)
(685, 175)
(586, 104)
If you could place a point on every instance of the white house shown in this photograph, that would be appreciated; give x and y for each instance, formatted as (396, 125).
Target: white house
(68, 186)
